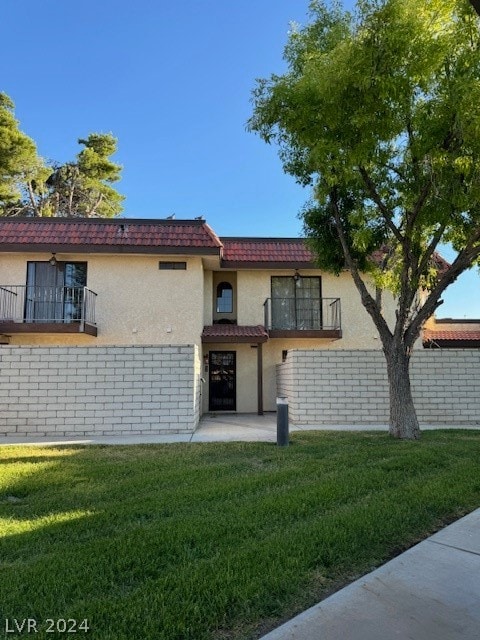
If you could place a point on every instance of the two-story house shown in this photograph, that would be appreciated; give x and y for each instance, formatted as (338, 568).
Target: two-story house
(241, 302)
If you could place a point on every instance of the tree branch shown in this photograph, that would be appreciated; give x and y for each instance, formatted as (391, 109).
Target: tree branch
(396, 170)
(462, 262)
(410, 145)
(367, 300)
(31, 196)
(430, 249)
(418, 207)
(93, 210)
(384, 210)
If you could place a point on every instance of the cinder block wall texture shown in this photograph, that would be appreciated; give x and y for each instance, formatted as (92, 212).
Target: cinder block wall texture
(76, 391)
(350, 387)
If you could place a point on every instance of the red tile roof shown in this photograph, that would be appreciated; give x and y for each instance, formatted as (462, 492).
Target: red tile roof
(436, 334)
(131, 235)
(264, 251)
(438, 261)
(288, 252)
(234, 333)
(123, 235)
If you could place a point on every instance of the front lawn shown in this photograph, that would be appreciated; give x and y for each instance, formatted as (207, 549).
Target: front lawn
(202, 541)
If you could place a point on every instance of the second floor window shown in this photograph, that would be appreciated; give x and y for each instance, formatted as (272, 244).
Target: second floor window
(224, 298)
(54, 293)
(296, 303)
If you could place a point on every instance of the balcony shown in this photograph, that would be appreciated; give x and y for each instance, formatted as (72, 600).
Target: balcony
(38, 309)
(303, 317)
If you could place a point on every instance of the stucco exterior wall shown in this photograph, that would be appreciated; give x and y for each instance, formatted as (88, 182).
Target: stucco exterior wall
(246, 382)
(358, 330)
(137, 303)
(208, 298)
(350, 387)
(253, 288)
(82, 391)
(247, 373)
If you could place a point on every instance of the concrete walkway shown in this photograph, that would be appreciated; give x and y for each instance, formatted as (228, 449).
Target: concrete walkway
(221, 427)
(430, 592)
(212, 428)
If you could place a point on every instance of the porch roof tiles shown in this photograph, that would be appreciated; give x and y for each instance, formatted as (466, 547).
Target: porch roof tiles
(234, 333)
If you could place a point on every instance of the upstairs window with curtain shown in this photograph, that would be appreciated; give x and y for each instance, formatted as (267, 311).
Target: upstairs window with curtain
(296, 303)
(54, 293)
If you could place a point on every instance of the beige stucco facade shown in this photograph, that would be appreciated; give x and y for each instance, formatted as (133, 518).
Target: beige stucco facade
(139, 304)
(136, 303)
(358, 330)
(253, 287)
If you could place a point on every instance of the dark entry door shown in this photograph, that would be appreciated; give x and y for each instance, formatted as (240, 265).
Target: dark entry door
(223, 381)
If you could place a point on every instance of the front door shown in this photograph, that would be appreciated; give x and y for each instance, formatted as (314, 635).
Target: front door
(223, 381)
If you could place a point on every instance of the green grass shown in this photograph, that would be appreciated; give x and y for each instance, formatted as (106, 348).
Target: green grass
(202, 541)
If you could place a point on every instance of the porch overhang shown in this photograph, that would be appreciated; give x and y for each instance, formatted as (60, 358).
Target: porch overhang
(232, 333)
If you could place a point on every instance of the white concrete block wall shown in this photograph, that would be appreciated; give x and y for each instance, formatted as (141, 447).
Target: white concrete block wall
(285, 379)
(81, 391)
(350, 387)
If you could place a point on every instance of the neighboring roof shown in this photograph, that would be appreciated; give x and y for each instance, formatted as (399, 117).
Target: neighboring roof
(234, 333)
(438, 261)
(451, 337)
(435, 334)
(266, 253)
(120, 235)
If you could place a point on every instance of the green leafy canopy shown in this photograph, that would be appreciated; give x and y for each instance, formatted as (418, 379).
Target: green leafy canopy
(29, 187)
(380, 112)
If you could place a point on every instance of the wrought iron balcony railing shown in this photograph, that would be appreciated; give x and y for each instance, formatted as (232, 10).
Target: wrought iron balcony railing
(38, 305)
(303, 314)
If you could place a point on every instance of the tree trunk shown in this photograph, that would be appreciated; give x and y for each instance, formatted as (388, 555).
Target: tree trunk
(476, 5)
(403, 417)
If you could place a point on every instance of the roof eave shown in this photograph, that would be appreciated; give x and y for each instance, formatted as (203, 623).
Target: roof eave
(258, 264)
(111, 249)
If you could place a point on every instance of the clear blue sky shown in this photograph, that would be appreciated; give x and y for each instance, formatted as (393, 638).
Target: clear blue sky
(172, 81)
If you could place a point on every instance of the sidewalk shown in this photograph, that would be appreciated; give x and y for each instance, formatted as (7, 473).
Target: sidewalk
(212, 428)
(222, 427)
(430, 592)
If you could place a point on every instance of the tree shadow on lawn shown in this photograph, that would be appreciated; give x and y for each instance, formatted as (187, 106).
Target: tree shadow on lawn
(175, 542)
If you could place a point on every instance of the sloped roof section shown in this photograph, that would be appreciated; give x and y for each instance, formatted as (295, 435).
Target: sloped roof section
(104, 235)
(285, 253)
(266, 252)
(436, 334)
(451, 338)
(440, 264)
(234, 333)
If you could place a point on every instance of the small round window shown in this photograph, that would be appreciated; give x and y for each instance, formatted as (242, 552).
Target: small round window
(224, 298)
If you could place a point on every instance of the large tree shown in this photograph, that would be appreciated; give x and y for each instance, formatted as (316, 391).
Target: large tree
(379, 111)
(29, 187)
(83, 188)
(19, 161)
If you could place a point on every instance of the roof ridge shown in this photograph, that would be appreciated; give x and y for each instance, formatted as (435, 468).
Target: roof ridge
(259, 239)
(120, 221)
(212, 234)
